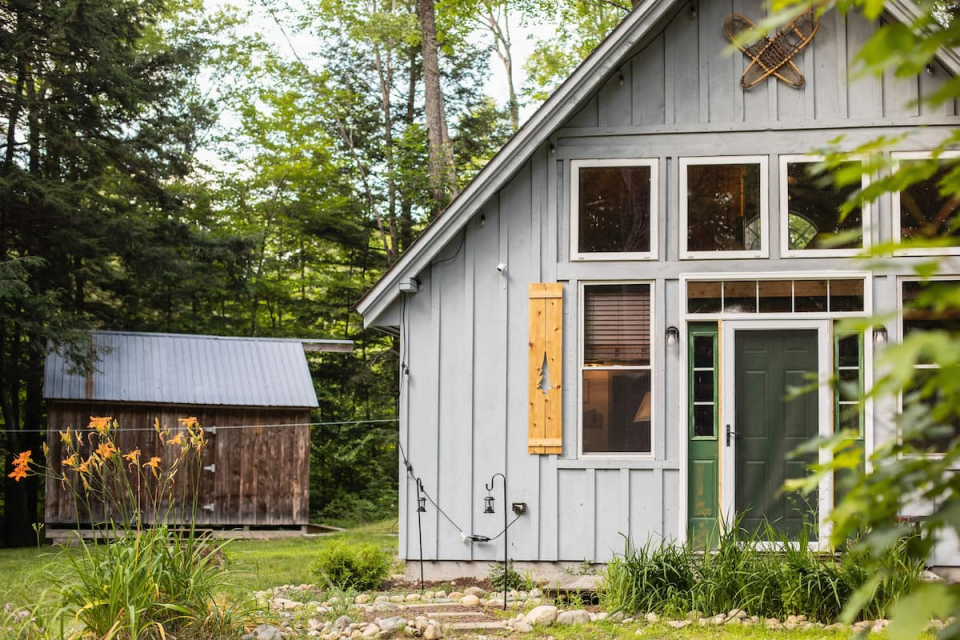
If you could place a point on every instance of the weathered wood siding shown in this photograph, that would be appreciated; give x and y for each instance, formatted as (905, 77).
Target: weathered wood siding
(262, 475)
(464, 404)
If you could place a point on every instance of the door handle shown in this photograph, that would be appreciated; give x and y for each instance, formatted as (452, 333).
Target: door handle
(730, 435)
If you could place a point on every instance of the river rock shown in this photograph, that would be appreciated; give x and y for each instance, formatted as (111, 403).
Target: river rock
(521, 626)
(371, 630)
(470, 600)
(544, 614)
(474, 591)
(264, 632)
(577, 616)
(432, 632)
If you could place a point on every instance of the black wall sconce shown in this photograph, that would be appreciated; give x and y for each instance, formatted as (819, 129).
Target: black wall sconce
(673, 336)
(879, 335)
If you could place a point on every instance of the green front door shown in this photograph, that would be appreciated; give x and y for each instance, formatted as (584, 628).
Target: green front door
(770, 423)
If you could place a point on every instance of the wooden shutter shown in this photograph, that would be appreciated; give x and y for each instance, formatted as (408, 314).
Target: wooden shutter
(545, 429)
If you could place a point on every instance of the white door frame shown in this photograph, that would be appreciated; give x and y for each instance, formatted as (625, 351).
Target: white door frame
(728, 410)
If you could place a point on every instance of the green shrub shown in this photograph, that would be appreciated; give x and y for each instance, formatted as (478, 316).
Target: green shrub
(513, 579)
(361, 567)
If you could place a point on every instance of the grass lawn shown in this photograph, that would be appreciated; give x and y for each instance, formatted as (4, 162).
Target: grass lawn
(261, 564)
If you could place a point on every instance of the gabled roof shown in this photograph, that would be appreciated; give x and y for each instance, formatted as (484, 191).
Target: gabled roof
(562, 104)
(163, 368)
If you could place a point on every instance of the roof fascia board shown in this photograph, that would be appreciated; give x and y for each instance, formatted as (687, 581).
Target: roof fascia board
(906, 12)
(559, 107)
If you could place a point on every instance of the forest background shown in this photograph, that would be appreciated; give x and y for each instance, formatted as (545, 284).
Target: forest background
(166, 167)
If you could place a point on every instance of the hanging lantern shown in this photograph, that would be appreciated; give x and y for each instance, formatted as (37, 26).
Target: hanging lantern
(488, 504)
(422, 505)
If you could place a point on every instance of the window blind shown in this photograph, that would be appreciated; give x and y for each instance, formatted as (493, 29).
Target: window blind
(617, 325)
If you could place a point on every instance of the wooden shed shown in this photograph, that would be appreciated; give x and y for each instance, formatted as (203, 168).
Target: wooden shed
(610, 314)
(252, 396)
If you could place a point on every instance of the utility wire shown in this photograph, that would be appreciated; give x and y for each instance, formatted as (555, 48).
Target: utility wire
(382, 421)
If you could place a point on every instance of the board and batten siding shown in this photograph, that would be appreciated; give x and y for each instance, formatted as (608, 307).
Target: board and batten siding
(464, 335)
(686, 76)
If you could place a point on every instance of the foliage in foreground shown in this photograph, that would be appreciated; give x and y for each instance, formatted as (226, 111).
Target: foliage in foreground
(359, 567)
(141, 577)
(745, 573)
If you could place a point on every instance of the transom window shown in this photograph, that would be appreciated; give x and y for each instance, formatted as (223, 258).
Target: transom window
(834, 296)
(616, 368)
(920, 212)
(613, 208)
(921, 311)
(811, 222)
(723, 207)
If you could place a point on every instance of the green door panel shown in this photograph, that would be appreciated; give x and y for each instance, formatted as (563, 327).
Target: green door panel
(703, 498)
(770, 425)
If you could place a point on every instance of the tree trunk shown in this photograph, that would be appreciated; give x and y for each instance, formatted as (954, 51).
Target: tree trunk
(443, 180)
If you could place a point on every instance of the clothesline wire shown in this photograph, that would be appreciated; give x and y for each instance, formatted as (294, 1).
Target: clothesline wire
(381, 423)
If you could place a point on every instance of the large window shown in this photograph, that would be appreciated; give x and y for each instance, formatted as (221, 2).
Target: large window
(723, 207)
(921, 213)
(616, 368)
(613, 205)
(811, 221)
(922, 311)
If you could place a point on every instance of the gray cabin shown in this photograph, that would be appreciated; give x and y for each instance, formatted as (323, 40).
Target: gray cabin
(611, 312)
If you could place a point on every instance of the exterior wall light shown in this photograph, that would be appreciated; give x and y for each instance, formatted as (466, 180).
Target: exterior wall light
(488, 504)
(673, 336)
(879, 335)
(422, 505)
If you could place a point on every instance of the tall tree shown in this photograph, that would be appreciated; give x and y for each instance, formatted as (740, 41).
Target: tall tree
(443, 178)
(96, 120)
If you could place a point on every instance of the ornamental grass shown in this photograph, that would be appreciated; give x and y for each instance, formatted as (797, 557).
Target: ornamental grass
(764, 573)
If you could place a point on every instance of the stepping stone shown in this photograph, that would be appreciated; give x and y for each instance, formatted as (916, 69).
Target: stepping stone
(476, 626)
(454, 614)
(421, 606)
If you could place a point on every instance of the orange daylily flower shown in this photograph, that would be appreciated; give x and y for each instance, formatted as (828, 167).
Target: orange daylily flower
(106, 449)
(71, 461)
(177, 439)
(153, 464)
(133, 456)
(66, 436)
(189, 423)
(101, 424)
(85, 466)
(20, 465)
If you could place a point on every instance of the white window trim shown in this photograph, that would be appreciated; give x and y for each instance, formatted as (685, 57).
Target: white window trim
(575, 166)
(652, 368)
(896, 157)
(866, 214)
(900, 335)
(764, 251)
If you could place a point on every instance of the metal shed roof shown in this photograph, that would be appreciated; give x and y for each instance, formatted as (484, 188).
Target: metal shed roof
(165, 368)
